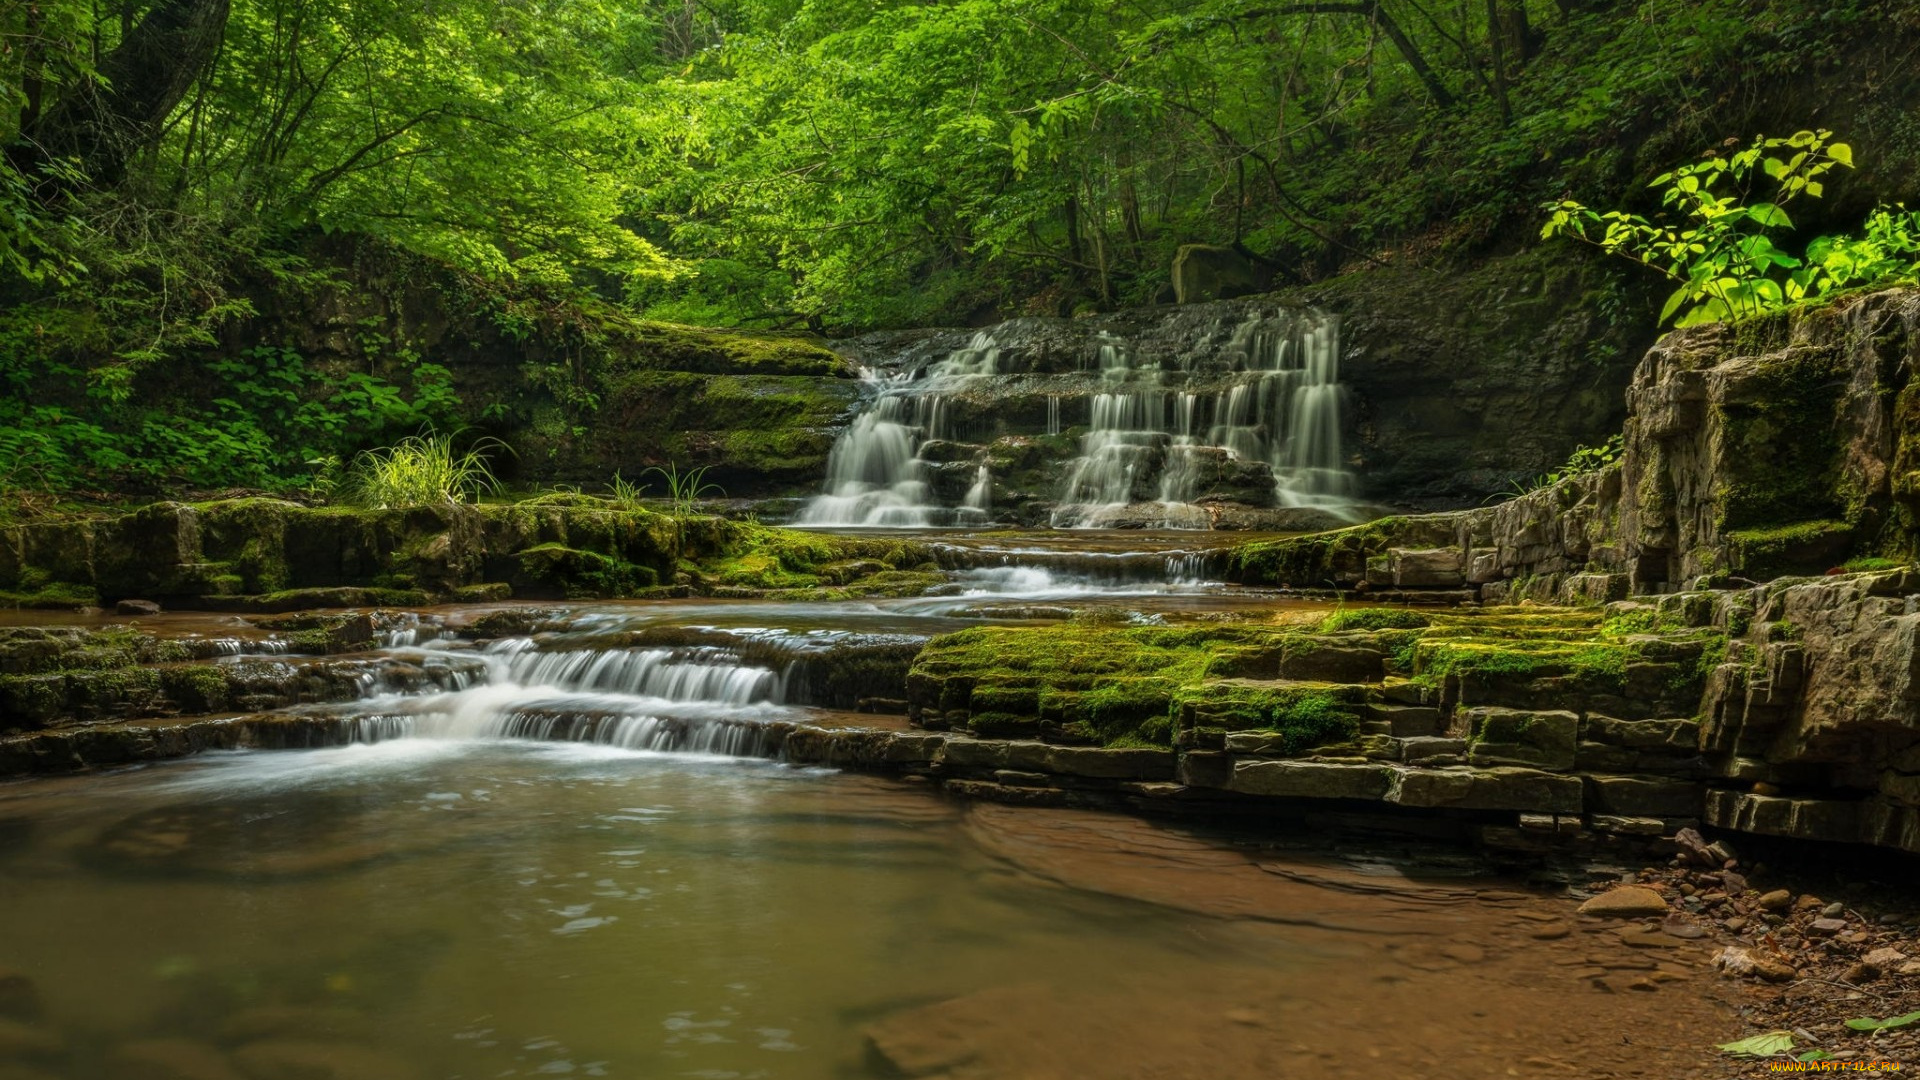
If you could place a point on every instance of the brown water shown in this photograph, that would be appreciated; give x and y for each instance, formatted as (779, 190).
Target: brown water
(489, 909)
(451, 900)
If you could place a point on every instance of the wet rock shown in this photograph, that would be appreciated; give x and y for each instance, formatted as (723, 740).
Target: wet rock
(1827, 927)
(303, 1059)
(1309, 780)
(1503, 788)
(275, 1021)
(1646, 797)
(1513, 737)
(1626, 902)
(1552, 931)
(1834, 910)
(169, 1059)
(1777, 900)
(19, 997)
(18, 1040)
(1114, 764)
(136, 607)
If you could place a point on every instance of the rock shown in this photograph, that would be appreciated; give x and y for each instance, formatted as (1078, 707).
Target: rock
(1886, 959)
(1553, 931)
(1544, 740)
(1834, 910)
(1463, 952)
(295, 1021)
(1777, 900)
(1626, 902)
(1735, 924)
(1505, 788)
(1860, 972)
(169, 1059)
(1809, 902)
(1911, 967)
(1647, 939)
(136, 607)
(1774, 970)
(1309, 779)
(1647, 797)
(1203, 272)
(18, 1040)
(303, 1059)
(19, 998)
(1733, 882)
(1827, 927)
(1735, 960)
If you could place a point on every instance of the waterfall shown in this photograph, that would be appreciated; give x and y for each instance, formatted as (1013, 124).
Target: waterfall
(874, 473)
(1223, 404)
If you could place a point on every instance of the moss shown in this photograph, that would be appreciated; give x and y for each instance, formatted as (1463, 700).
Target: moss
(1601, 665)
(198, 688)
(1304, 715)
(1375, 618)
(55, 595)
(1867, 564)
(1806, 547)
(579, 575)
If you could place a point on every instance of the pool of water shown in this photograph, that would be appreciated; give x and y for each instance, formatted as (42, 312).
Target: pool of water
(464, 909)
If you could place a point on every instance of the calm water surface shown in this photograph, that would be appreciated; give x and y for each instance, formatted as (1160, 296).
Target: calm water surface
(485, 909)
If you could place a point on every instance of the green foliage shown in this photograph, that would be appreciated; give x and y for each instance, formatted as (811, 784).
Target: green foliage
(421, 470)
(1723, 253)
(1583, 460)
(1868, 1023)
(1766, 1045)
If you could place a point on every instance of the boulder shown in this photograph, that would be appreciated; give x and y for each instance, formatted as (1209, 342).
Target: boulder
(1203, 272)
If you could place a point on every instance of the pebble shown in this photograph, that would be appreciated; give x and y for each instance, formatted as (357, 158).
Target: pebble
(1626, 902)
(1550, 931)
(1735, 924)
(1777, 900)
(1886, 959)
(1827, 927)
(1834, 910)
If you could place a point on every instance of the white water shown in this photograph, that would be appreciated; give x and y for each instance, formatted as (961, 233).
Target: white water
(1282, 409)
(1157, 437)
(874, 474)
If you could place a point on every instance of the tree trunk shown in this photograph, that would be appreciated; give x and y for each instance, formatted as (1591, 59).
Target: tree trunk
(103, 123)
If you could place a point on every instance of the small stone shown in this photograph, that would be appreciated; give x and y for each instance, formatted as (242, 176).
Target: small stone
(1886, 959)
(1550, 931)
(1911, 967)
(1647, 939)
(1735, 924)
(1733, 883)
(1777, 900)
(1827, 927)
(136, 607)
(1861, 972)
(1774, 970)
(1626, 902)
(1685, 931)
(1834, 910)
(1809, 902)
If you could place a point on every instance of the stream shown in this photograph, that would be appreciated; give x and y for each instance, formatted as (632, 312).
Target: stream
(560, 853)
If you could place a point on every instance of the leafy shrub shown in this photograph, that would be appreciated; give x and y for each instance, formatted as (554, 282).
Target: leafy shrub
(1723, 255)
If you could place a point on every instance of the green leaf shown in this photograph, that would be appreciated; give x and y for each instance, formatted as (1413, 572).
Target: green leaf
(1773, 1042)
(1769, 215)
(1841, 153)
(1678, 298)
(1868, 1023)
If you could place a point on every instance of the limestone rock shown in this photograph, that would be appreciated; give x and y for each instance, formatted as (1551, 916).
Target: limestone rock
(1309, 780)
(1626, 902)
(1203, 272)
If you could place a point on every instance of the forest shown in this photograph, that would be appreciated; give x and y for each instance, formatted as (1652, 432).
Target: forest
(180, 174)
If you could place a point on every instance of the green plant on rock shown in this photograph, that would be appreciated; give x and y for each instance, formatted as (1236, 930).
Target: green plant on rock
(683, 489)
(422, 470)
(1722, 254)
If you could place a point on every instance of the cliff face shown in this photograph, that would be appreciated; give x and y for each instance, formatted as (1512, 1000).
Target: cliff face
(1766, 491)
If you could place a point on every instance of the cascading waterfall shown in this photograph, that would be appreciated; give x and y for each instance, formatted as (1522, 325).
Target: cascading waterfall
(1279, 406)
(874, 474)
(691, 700)
(1248, 410)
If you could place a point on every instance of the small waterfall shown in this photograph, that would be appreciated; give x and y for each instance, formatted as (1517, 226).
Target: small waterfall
(1226, 404)
(874, 473)
(696, 699)
(1280, 407)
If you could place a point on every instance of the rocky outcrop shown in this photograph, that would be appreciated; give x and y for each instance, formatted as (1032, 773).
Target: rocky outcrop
(1784, 445)
(272, 556)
